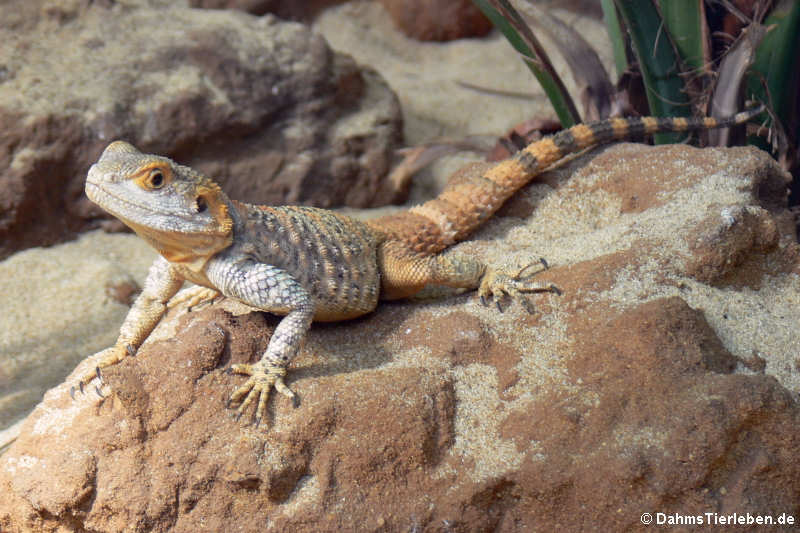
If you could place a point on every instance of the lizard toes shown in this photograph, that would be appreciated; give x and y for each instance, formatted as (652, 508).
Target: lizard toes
(263, 377)
(108, 357)
(241, 368)
(499, 285)
(249, 393)
(241, 392)
(281, 387)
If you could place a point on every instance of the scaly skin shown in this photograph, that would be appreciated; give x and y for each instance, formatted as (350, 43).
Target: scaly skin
(310, 264)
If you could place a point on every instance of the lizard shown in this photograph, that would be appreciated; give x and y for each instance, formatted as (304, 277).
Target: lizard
(310, 264)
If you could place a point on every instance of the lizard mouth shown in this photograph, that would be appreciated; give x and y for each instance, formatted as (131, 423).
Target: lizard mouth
(97, 194)
(131, 213)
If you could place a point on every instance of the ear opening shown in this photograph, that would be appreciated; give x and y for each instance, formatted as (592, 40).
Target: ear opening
(210, 199)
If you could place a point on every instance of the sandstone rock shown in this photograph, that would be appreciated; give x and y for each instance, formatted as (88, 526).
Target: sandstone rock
(438, 20)
(660, 425)
(262, 105)
(428, 76)
(58, 305)
(285, 9)
(631, 392)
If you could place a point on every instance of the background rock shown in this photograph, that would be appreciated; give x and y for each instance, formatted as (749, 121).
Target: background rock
(631, 392)
(285, 9)
(58, 305)
(262, 105)
(427, 76)
(438, 20)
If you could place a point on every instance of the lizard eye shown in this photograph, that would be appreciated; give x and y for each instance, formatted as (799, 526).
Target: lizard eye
(200, 204)
(156, 179)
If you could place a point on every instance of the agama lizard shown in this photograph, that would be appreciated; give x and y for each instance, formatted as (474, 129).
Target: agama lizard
(312, 264)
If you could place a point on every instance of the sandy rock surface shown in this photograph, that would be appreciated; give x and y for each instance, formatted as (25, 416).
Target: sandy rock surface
(60, 304)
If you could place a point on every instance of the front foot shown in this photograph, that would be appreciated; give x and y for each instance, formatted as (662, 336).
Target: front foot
(108, 357)
(263, 376)
(192, 297)
(498, 285)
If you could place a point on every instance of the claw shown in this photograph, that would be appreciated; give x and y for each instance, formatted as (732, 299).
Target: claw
(97, 390)
(497, 285)
(281, 387)
(555, 289)
(528, 306)
(72, 392)
(108, 357)
(542, 261)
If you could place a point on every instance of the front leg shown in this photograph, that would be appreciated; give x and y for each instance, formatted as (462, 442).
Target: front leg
(161, 284)
(274, 290)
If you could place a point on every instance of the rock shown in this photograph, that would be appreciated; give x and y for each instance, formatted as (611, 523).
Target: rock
(263, 106)
(58, 305)
(429, 77)
(438, 20)
(630, 392)
(285, 9)
(660, 425)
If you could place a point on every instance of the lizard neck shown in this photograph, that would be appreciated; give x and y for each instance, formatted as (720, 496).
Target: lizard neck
(192, 250)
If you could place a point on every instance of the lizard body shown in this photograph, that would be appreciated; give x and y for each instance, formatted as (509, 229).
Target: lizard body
(312, 264)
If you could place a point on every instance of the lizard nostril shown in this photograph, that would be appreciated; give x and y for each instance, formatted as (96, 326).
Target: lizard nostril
(200, 204)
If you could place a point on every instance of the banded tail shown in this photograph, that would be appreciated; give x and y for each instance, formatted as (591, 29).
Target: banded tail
(464, 206)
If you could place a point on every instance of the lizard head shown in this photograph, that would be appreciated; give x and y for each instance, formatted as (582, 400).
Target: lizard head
(181, 213)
